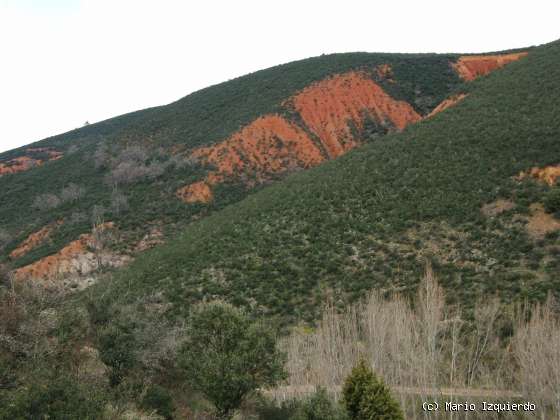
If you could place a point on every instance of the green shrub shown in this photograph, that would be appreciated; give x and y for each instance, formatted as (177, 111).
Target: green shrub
(552, 200)
(319, 406)
(227, 357)
(158, 398)
(117, 351)
(366, 397)
(60, 399)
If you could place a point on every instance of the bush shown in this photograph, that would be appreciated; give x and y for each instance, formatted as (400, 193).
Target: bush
(61, 398)
(117, 351)
(5, 238)
(366, 397)
(158, 398)
(46, 202)
(319, 406)
(552, 200)
(71, 193)
(227, 357)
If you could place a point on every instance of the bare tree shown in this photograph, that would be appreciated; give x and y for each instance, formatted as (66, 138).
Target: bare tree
(537, 350)
(5, 238)
(119, 202)
(72, 192)
(101, 156)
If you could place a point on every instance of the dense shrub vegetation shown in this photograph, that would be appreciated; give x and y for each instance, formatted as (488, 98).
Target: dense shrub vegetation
(372, 219)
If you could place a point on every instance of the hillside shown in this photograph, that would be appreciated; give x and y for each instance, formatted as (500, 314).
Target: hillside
(152, 172)
(447, 189)
(307, 184)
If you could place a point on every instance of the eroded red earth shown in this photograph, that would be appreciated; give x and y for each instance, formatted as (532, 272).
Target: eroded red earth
(447, 103)
(469, 67)
(34, 240)
(24, 163)
(271, 144)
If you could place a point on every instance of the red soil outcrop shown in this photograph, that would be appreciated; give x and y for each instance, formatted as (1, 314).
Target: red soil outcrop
(34, 240)
(24, 163)
(19, 164)
(446, 103)
(76, 258)
(55, 265)
(198, 192)
(548, 174)
(271, 144)
(470, 67)
(327, 106)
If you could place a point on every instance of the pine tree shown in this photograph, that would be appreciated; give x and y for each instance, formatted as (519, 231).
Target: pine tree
(366, 397)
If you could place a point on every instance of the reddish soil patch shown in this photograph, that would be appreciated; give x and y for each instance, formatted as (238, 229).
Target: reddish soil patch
(472, 66)
(55, 265)
(74, 258)
(24, 163)
(541, 223)
(548, 174)
(446, 103)
(19, 164)
(271, 144)
(198, 192)
(34, 240)
(327, 106)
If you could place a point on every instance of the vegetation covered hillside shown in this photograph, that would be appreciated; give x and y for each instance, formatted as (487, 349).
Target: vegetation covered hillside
(447, 190)
(151, 172)
(192, 259)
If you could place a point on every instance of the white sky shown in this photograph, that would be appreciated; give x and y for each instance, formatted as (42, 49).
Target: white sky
(63, 62)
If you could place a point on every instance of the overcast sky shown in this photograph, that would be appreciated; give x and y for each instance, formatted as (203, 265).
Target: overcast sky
(67, 61)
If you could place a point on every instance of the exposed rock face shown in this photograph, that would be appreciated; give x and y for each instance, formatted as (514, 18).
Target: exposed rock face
(34, 240)
(548, 174)
(470, 67)
(78, 259)
(272, 144)
(24, 163)
(446, 103)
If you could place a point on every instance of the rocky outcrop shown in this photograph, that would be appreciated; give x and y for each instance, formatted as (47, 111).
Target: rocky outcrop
(75, 261)
(328, 112)
(469, 67)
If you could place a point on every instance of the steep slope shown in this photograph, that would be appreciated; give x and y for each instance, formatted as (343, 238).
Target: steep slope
(372, 217)
(161, 168)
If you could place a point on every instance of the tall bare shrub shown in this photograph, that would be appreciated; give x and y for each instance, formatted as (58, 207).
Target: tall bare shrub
(537, 349)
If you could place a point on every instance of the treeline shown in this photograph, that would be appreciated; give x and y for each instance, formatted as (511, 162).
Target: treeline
(94, 360)
(427, 350)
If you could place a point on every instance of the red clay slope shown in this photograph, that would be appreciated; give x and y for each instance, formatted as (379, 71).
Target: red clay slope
(271, 144)
(470, 67)
(24, 163)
